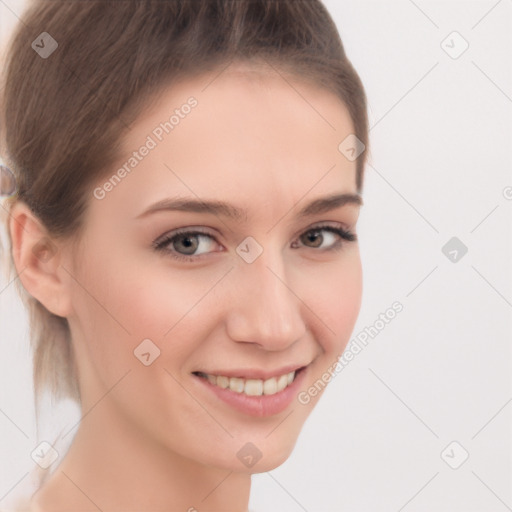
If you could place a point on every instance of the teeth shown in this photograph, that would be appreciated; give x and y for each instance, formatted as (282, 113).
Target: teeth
(236, 384)
(222, 382)
(270, 386)
(252, 387)
(282, 382)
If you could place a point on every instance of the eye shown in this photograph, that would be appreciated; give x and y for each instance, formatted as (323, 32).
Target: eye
(189, 245)
(333, 239)
(185, 245)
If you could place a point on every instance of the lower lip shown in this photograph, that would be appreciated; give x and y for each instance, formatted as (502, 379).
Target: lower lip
(260, 406)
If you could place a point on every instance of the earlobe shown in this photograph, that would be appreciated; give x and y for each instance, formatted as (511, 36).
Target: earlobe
(37, 258)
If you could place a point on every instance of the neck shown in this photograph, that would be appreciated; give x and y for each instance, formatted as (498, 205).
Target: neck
(112, 466)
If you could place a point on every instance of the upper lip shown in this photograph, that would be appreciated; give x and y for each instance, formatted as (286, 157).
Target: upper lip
(254, 373)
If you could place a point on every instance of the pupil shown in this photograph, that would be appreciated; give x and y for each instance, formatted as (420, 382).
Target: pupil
(315, 237)
(190, 244)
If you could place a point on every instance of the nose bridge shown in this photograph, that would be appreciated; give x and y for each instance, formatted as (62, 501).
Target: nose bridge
(265, 310)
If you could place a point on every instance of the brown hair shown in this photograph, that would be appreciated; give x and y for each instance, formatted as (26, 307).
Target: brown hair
(63, 117)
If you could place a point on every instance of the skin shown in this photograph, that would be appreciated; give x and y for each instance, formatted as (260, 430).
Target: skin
(151, 438)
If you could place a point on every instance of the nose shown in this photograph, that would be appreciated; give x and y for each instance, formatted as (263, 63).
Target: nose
(265, 309)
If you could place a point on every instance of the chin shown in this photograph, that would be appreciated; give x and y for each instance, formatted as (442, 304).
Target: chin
(258, 456)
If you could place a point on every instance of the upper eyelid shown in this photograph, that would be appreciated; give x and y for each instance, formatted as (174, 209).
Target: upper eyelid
(201, 230)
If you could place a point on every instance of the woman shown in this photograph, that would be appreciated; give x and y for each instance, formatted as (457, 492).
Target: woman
(189, 178)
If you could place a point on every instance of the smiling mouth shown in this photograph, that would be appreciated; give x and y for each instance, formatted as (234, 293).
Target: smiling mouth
(251, 387)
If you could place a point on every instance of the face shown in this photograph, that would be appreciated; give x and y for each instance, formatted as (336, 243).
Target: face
(219, 258)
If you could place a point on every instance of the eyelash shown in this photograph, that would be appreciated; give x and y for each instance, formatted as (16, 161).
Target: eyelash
(161, 243)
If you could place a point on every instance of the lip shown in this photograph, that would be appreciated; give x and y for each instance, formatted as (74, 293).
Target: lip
(258, 406)
(251, 373)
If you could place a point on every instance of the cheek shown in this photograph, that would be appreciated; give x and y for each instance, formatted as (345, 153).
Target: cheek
(120, 302)
(333, 293)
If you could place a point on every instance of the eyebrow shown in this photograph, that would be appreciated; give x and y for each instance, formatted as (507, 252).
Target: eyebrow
(315, 207)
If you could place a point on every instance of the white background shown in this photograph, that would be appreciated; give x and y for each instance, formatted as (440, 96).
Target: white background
(440, 371)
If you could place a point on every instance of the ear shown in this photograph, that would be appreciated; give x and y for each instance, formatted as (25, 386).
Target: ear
(37, 258)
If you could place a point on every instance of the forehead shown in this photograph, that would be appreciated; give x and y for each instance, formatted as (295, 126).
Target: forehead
(244, 135)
